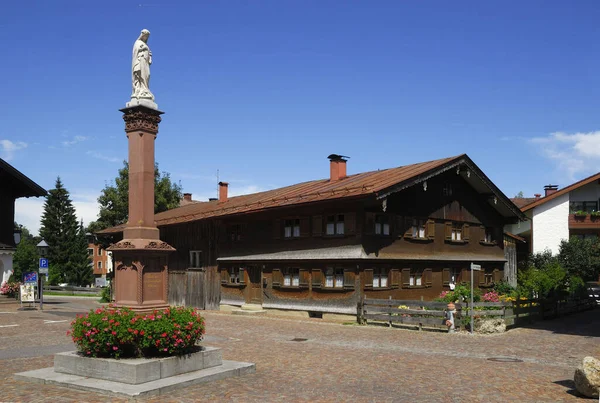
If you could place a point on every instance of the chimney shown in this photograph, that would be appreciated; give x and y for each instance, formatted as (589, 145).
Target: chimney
(537, 196)
(223, 191)
(187, 197)
(337, 167)
(549, 189)
(212, 199)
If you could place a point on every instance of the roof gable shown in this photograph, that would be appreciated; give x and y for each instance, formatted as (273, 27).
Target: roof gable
(558, 193)
(20, 185)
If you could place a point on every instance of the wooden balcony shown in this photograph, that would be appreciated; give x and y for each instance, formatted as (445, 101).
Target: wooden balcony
(587, 221)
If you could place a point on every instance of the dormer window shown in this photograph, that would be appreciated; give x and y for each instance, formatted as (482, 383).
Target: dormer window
(291, 228)
(418, 228)
(335, 225)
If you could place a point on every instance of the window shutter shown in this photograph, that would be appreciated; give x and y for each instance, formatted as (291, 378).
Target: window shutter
(497, 276)
(349, 223)
(224, 276)
(448, 233)
(368, 276)
(427, 277)
(408, 224)
(242, 275)
(405, 278)
(430, 229)
(277, 278)
(446, 277)
(481, 274)
(482, 233)
(303, 278)
(465, 234)
(277, 229)
(317, 278)
(317, 225)
(369, 223)
(304, 227)
(465, 276)
(349, 279)
(394, 278)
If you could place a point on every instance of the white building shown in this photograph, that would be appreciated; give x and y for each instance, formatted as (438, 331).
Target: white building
(560, 214)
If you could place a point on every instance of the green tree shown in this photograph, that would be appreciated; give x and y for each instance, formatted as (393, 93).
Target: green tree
(79, 268)
(581, 258)
(26, 257)
(114, 199)
(59, 229)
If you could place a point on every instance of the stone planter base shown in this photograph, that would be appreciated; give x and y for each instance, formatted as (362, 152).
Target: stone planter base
(137, 377)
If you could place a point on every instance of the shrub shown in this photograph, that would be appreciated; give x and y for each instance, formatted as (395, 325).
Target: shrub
(461, 293)
(119, 332)
(11, 289)
(504, 288)
(105, 295)
(490, 296)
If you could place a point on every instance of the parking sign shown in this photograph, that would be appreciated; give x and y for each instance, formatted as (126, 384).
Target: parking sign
(43, 263)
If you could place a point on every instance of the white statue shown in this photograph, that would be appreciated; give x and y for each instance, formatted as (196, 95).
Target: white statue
(140, 69)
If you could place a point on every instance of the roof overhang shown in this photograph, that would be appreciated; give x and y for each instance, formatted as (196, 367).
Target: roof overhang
(464, 166)
(20, 184)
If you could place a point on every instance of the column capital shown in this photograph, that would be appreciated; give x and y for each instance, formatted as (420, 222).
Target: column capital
(141, 118)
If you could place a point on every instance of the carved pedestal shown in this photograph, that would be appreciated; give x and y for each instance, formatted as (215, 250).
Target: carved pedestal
(141, 274)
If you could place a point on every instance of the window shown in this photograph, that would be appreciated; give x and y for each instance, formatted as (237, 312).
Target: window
(291, 228)
(234, 275)
(99, 251)
(235, 232)
(416, 277)
(456, 234)
(587, 206)
(335, 225)
(380, 278)
(447, 189)
(593, 237)
(488, 236)
(91, 251)
(291, 277)
(382, 224)
(418, 228)
(196, 259)
(488, 278)
(100, 265)
(334, 277)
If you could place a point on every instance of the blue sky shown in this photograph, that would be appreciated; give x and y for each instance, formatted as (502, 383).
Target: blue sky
(263, 91)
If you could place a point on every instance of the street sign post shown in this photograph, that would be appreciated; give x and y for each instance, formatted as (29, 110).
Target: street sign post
(43, 270)
(474, 267)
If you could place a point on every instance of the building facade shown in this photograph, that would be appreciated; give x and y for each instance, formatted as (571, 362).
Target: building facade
(101, 261)
(404, 233)
(13, 185)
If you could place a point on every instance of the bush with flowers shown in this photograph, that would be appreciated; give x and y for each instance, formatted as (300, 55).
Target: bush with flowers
(11, 289)
(120, 333)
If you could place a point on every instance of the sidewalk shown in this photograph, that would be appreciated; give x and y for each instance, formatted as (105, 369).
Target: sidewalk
(337, 362)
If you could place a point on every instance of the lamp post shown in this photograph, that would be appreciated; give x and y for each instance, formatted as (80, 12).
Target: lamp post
(42, 249)
(17, 236)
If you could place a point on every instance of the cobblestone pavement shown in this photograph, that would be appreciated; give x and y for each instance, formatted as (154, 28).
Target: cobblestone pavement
(336, 363)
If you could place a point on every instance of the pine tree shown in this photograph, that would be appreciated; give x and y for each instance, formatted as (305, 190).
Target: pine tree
(79, 268)
(59, 229)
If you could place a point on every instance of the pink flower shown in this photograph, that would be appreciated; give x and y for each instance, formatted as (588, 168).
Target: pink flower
(113, 333)
(115, 348)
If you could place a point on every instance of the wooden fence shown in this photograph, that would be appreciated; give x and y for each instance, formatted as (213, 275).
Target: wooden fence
(423, 314)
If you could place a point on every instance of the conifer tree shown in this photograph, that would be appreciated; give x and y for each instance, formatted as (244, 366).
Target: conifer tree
(59, 230)
(79, 270)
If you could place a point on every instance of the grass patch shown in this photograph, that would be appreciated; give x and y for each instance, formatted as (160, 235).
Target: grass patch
(70, 294)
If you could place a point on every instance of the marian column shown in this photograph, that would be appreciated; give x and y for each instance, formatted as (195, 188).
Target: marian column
(141, 263)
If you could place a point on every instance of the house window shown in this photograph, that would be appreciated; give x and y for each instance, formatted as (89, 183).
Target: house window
(100, 265)
(380, 278)
(195, 259)
(418, 228)
(291, 277)
(382, 224)
(99, 251)
(91, 251)
(587, 206)
(416, 277)
(292, 228)
(456, 232)
(335, 225)
(235, 232)
(488, 278)
(234, 275)
(447, 189)
(334, 278)
(488, 238)
(593, 237)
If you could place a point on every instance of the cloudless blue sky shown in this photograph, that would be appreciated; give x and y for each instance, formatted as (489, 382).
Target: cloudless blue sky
(264, 90)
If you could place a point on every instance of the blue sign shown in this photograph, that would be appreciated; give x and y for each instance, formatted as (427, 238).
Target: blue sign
(43, 263)
(30, 277)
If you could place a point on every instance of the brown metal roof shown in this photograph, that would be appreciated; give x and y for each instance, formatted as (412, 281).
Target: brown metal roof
(356, 185)
(563, 191)
(521, 202)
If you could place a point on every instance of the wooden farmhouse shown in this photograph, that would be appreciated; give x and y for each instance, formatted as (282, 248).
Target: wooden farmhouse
(406, 233)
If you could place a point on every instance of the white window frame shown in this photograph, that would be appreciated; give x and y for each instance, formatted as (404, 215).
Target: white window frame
(416, 277)
(335, 226)
(418, 228)
(382, 224)
(99, 265)
(291, 228)
(380, 277)
(291, 277)
(334, 277)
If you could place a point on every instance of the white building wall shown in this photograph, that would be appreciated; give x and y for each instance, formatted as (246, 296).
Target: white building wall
(520, 227)
(551, 224)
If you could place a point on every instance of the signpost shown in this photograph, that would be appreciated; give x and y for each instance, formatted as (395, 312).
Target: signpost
(43, 270)
(474, 267)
